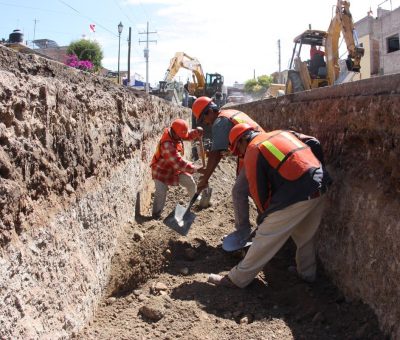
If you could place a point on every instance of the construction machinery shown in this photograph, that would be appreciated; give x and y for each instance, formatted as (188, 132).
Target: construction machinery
(319, 71)
(210, 85)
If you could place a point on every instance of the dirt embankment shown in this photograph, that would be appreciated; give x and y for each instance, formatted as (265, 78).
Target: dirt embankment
(74, 154)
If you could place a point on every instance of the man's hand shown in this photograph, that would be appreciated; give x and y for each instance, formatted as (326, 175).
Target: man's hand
(201, 170)
(203, 183)
(197, 133)
(200, 132)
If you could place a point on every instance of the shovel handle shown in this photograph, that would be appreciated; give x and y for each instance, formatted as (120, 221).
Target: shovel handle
(202, 153)
(194, 198)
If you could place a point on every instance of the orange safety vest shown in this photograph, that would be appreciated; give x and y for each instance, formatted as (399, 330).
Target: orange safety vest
(238, 117)
(285, 153)
(166, 137)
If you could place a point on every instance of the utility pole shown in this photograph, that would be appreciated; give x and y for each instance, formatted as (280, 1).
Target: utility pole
(254, 73)
(279, 62)
(146, 53)
(34, 32)
(129, 56)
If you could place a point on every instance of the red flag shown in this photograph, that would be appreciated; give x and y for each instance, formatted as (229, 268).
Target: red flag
(92, 27)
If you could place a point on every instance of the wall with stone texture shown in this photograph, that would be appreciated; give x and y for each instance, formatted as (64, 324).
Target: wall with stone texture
(74, 153)
(358, 125)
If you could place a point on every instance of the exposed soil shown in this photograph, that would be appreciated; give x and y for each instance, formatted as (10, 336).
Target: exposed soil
(159, 290)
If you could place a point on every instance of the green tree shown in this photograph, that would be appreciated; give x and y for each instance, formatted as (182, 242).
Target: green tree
(257, 87)
(87, 50)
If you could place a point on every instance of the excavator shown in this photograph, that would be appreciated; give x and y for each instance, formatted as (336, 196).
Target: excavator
(316, 72)
(210, 85)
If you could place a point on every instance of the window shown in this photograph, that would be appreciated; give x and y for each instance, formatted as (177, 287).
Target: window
(392, 43)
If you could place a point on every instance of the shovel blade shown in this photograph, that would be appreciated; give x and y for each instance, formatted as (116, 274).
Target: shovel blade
(180, 220)
(179, 213)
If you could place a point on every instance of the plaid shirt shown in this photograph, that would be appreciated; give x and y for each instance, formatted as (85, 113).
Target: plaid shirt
(170, 165)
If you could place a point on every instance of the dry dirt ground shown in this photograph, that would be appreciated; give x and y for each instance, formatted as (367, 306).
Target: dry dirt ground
(158, 287)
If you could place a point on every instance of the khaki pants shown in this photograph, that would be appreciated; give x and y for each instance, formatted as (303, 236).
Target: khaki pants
(160, 195)
(300, 221)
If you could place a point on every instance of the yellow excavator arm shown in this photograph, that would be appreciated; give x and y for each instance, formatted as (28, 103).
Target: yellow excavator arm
(342, 22)
(182, 60)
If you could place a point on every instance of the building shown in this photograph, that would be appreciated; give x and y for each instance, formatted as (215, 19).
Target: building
(50, 49)
(380, 38)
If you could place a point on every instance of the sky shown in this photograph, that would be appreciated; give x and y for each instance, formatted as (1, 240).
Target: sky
(238, 39)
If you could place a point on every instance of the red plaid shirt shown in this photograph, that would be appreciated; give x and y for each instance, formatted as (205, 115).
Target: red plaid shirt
(171, 164)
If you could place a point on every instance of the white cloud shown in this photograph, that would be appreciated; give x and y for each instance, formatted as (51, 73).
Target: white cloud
(232, 38)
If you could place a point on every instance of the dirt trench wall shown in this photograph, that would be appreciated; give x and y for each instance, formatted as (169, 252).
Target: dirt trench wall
(74, 154)
(358, 125)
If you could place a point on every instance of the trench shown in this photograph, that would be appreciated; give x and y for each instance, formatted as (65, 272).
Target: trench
(72, 165)
(277, 305)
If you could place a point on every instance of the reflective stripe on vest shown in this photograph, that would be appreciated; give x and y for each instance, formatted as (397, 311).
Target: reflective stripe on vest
(238, 117)
(287, 154)
(166, 137)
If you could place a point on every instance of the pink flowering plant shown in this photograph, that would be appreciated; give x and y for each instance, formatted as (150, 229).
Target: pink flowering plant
(73, 61)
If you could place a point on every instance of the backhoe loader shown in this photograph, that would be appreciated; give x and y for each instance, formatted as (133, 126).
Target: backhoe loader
(324, 71)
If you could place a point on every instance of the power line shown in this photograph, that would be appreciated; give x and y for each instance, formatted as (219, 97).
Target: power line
(89, 18)
(124, 13)
(34, 8)
(69, 6)
(144, 10)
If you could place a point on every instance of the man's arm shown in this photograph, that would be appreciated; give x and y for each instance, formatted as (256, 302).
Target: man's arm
(220, 143)
(213, 159)
(313, 143)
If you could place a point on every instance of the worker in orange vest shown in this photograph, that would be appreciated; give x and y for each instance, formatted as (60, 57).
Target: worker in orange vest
(222, 121)
(168, 167)
(287, 180)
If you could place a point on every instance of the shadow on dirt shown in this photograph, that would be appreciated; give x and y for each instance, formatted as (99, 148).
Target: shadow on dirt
(312, 311)
(198, 257)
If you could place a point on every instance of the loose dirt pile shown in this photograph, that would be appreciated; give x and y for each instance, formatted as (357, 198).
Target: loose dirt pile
(158, 288)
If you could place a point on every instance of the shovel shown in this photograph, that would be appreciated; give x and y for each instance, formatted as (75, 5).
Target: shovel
(181, 218)
(206, 193)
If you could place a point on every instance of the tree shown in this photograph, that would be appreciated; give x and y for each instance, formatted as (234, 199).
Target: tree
(257, 87)
(87, 50)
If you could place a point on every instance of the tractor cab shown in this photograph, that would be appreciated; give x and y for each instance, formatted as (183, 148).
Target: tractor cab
(310, 73)
(214, 88)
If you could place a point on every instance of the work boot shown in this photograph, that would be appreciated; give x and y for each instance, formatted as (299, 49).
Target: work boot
(220, 280)
(156, 216)
(236, 240)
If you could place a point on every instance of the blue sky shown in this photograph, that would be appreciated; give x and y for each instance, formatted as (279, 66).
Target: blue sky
(236, 39)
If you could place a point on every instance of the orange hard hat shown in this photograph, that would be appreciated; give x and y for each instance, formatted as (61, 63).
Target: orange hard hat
(199, 105)
(236, 133)
(180, 127)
